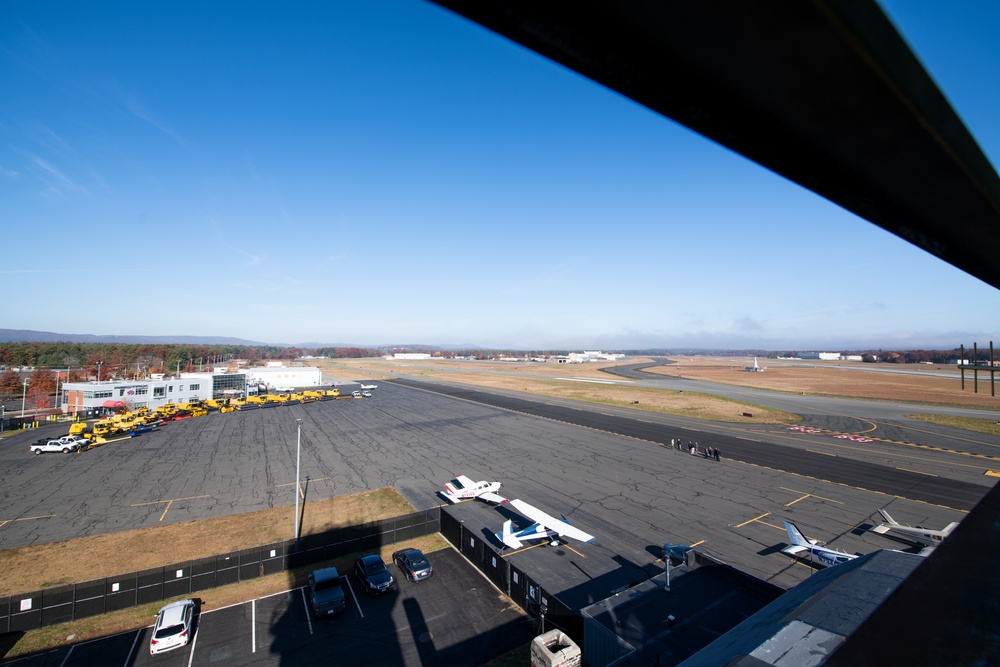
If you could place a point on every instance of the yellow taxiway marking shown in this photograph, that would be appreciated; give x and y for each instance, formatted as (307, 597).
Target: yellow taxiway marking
(992, 473)
(301, 492)
(823, 453)
(168, 502)
(757, 518)
(523, 549)
(542, 544)
(919, 472)
(4, 522)
(697, 544)
(807, 495)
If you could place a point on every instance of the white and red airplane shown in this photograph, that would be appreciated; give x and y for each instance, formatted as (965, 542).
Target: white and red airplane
(544, 527)
(462, 488)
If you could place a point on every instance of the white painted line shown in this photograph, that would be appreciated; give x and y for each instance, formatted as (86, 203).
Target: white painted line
(68, 654)
(253, 626)
(194, 640)
(589, 380)
(351, 588)
(306, 605)
(128, 660)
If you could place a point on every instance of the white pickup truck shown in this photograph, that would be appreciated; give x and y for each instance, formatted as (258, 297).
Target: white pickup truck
(66, 444)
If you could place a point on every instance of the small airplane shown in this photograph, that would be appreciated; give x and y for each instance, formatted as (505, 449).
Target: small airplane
(918, 534)
(545, 527)
(802, 545)
(462, 488)
(369, 386)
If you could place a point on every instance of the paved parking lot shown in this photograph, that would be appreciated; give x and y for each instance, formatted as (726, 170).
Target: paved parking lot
(454, 618)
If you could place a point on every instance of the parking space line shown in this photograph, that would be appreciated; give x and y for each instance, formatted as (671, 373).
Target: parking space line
(757, 518)
(305, 604)
(356, 604)
(194, 640)
(168, 502)
(131, 652)
(253, 625)
(4, 522)
(68, 654)
(808, 495)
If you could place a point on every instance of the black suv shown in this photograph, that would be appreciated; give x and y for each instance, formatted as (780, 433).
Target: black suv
(373, 573)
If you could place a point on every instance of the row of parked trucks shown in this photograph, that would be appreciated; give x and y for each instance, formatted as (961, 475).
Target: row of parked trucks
(84, 435)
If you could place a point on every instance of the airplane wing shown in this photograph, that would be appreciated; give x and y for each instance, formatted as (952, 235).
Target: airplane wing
(794, 550)
(494, 498)
(460, 482)
(563, 528)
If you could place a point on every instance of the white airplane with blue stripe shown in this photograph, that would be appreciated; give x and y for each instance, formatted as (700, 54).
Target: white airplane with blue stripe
(803, 547)
(544, 527)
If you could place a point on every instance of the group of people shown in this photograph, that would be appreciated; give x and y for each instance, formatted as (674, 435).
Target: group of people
(692, 447)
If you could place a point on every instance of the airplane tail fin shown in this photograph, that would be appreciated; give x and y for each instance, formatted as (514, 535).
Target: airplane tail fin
(885, 516)
(795, 535)
(507, 536)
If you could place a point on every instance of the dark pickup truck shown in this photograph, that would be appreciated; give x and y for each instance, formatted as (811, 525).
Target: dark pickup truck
(325, 593)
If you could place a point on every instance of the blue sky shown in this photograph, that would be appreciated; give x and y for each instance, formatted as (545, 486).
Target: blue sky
(376, 173)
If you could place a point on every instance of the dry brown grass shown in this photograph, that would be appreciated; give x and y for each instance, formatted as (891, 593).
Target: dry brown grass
(540, 379)
(686, 404)
(850, 379)
(99, 556)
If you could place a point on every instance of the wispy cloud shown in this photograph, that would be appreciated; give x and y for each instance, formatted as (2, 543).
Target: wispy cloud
(137, 108)
(55, 180)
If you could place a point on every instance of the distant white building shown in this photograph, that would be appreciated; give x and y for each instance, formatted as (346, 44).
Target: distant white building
(823, 356)
(283, 377)
(588, 356)
(411, 355)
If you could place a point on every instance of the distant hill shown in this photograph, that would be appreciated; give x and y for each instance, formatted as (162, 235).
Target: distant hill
(29, 336)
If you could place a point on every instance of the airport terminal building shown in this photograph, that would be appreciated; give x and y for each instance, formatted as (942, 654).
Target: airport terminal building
(93, 398)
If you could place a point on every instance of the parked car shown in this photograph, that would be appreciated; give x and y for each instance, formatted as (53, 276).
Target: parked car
(54, 446)
(356, 394)
(366, 394)
(413, 564)
(676, 552)
(78, 440)
(173, 626)
(325, 592)
(373, 572)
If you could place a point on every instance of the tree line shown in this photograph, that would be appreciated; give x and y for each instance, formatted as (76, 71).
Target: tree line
(79, 362)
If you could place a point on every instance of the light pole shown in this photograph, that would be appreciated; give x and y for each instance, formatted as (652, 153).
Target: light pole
(298, 459)
(24, 395)
(57, 385)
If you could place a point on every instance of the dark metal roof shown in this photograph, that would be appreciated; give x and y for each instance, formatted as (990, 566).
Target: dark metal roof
(824, 93)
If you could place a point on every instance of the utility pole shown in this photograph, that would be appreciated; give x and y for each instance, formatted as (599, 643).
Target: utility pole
(298, 459)
(24, 395)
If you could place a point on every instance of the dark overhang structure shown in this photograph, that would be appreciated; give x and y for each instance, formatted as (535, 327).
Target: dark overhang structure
(824, 93)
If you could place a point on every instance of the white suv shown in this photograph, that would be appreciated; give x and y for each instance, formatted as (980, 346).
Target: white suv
(173, 627)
